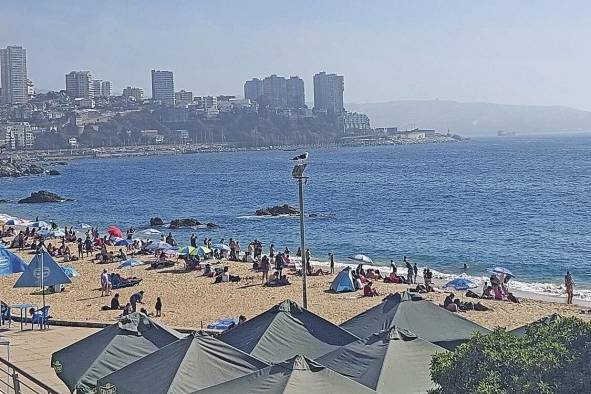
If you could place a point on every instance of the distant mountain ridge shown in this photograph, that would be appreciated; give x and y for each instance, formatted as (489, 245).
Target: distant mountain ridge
(474, 118)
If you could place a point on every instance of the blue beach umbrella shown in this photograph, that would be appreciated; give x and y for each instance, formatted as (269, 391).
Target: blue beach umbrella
(501, 270)
(221, 247)
(203, 250)
(160, 245)
(123, 242)
(460, 284)
(10, 263)
(130, 263)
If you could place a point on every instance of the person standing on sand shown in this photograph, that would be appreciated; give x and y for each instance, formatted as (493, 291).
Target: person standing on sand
(158, 307)
(307, 258)
(331, 256)
(415, 270)
(265, 269)
(105, 284)
(271, 251)
(570, 287)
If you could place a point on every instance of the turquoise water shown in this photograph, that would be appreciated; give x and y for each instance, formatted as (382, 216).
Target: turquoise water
(523, 202)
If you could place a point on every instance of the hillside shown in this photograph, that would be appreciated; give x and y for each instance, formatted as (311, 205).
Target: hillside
(475, 118)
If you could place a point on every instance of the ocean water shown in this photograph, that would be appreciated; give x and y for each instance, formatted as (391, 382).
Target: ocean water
(521, 202)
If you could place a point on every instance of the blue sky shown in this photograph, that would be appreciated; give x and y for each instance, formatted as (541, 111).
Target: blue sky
(521, 52)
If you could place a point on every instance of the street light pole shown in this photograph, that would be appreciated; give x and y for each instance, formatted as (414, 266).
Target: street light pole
(302, 246)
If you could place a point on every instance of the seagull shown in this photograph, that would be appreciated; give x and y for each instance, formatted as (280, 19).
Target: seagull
(303, 156)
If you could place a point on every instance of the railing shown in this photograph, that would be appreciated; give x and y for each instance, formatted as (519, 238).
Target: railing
(17, 381)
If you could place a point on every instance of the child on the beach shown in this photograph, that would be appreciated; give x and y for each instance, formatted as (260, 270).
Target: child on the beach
(158, 307)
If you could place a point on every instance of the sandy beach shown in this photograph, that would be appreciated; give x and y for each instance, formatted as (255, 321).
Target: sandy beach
(191, 300)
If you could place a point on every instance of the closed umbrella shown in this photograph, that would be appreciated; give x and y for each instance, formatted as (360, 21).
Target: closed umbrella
(460, 284)
(115, 231)
(362, 258)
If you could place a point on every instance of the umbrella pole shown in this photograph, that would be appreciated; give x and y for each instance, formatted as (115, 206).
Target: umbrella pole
(42, 289)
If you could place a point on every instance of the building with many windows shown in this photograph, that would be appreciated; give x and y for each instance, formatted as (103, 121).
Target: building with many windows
(253, 89)
(13, 75)
(183, 97)
(18, 136)
(101, 88)
(79, 84)
(296, 97)
(163, 86)
(275, 91)
(355, 122)
(136, 93)
(328, 93)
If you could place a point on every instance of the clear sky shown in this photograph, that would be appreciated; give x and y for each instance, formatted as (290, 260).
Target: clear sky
(513, 51)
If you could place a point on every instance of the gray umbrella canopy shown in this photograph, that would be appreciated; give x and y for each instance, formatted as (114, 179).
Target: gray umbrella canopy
(520, 331)
(83, 363)
(189, 364)
(425, 319)
(298, 375)
(284, 331)
(391, 361)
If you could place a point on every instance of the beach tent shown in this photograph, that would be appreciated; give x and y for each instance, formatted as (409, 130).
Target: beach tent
(425, 319)
(286, 330)
(189, 364)
(343, 281)
(10, 263)
(52, 275)
(298, 375)
(521, 331)
(83, 363)
(391, 361)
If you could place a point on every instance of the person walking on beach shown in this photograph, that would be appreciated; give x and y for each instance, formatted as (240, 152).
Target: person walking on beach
(136, 298)
(158, 307)
(105, 284)
(80, 248)
(279, 264)
(331, 256)
(570, 287)
(409, 269)
(415, 270)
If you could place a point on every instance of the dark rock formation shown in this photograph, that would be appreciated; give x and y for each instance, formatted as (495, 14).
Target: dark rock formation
(42, 196)
(54, 172)
(156, 222)
(212, 225)
(180, 223)
(18, 168)
(278, 210)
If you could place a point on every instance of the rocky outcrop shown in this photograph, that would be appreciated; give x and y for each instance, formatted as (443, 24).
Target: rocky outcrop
(42, 196)
(212, 225)
(180, 223)
(278, 210)
(18, 168)
(54, 172)
(156, 222)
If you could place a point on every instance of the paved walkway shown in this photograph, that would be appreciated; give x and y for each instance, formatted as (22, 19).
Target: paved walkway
(31, 350)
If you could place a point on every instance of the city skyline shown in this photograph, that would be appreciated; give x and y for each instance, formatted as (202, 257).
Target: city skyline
(500, 52)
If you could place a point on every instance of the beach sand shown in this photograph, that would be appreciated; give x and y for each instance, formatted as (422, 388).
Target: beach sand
(192, 301)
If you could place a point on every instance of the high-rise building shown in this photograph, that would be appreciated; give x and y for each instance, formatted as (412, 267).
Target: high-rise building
(253, 89)
(183, 97)
(136, 93)
(328, 92)
(296, 97)
(163, 86)
(13, 65)
(275, 91)
(101, 88)
(79, 84)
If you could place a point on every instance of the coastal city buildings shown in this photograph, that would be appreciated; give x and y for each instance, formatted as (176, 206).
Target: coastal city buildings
(328, 93)
(183, 97)
(136, 93)
(355, 122)
(101, 88)
(13, 69)
(296, 97)
(17, 136)
(276, 92)
(163, 86)
(253, 89)
(79, 84)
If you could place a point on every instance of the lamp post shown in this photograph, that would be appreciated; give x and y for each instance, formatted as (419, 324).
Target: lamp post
(298, 173)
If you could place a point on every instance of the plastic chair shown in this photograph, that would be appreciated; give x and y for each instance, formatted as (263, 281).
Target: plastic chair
(40, 316)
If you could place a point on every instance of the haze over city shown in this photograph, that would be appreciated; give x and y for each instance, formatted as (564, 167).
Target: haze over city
(502, 51)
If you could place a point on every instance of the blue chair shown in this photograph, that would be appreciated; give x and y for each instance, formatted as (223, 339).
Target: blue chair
(40, 316)
(5, 315)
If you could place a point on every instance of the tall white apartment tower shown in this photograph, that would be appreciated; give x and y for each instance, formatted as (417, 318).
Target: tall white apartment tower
(13, 65)
(163, 86)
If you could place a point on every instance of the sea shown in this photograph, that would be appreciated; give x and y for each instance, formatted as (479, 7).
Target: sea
(523, 203)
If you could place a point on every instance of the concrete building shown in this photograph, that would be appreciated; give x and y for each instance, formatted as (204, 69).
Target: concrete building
(101, 88)
(253, 89)
(275, 91)
(79, 84)
(136, 93)
(354, 121)
(30, 89)
(183, 97)
(13, 69)
(18, 136)
(328, 92)
(163, 86)
(296, 97)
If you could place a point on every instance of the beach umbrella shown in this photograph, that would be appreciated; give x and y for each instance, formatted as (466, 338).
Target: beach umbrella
(83, 226)
(70, 271)
(222, 247)
(130, 263)
(150, 232)
(10, 263)
(362, 258)
(188, 250)
(160, 245)
(501, 270)
(115, 231)
(45, 233)
(460, 284)
(203, 250)
(123, 242)
(40, 224)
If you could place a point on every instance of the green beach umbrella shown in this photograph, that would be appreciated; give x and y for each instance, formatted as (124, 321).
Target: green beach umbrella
(188, 250)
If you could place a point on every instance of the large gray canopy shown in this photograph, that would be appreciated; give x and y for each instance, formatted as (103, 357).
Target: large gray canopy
(284, 331)
(83, 363)
(392, 361)
(189, 364)
(298, 375)
(422, 317)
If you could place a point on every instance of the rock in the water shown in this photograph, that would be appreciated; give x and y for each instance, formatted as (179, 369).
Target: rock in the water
(42, 196)
(156, 222)
(2, 201)
(180, 223)
(212, 225)
(18, 168)
(278, 210)
(54, 172)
